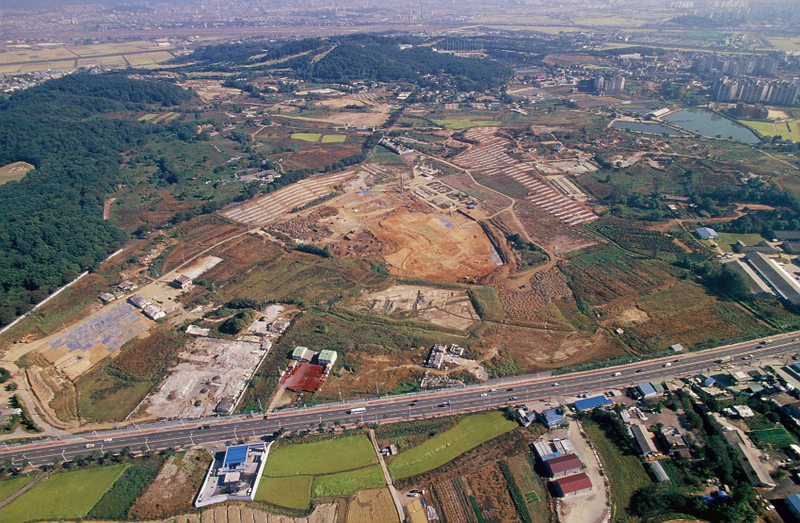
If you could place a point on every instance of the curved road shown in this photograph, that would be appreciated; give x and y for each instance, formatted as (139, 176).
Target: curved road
(488, 395)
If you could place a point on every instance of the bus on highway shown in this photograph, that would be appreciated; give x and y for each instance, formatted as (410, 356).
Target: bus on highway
(357, 410)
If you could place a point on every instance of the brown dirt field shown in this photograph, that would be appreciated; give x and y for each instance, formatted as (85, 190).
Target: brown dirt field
(549, 232)
(166, 208)
(491, 492)
(319, 157)
(370, 506)
(173, 490)
(491, 201)
(242, 256)
(536, 349)
(427, 248)
(453, 505)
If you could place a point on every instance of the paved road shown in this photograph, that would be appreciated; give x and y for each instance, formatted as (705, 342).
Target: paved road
(488, 395)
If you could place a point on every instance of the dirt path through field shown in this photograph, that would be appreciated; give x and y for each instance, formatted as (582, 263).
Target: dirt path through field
(107, 207)
(389, 483)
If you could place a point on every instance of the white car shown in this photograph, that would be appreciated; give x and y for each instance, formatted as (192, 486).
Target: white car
(484, 394)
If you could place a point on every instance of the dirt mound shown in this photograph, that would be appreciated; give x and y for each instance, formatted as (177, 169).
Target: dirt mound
(544, 287)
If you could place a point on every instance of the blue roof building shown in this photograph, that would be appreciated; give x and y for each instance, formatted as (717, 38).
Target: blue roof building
(548, 457)
(793, 502)
(646, 389)
(235, 458)
(706, 233)
(592, 403)
(709, 382)
(552, 417)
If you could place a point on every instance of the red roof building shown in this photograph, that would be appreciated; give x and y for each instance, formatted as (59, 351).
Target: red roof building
(572, 485)
(304, 377)
(564, 465)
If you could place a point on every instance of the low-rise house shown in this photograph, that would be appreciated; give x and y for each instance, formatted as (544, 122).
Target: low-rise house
(674, 443)
(302, 354)
(107, 297)
(327, 357)
(139, 301)
(182, 282)
(552, 418)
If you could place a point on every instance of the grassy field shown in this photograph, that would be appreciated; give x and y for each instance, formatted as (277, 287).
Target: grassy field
(11, 485)
(290, 492)
(531, 486)
(463, 122)
(727, 240)
(625, 473)
(469, 433)
(63, 495)
(347, 483)
(14, 171)
(346, 453)
(334, 138)
(307, 137)
(788, 130)
(487, 303)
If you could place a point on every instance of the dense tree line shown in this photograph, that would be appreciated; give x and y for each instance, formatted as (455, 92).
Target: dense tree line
(51, 225)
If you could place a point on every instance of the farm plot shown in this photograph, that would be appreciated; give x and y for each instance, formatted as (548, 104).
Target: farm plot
(348, 482)
(264, 209)
(344, 453)
(307, 137)
(291, 492)
(63, 495)
(455, 122)
(453, 501)
(428, 246)
(369, 506)
(531, 487)
(469, 433)
(774, 435)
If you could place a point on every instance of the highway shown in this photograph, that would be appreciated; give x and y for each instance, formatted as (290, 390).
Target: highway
(484, 396)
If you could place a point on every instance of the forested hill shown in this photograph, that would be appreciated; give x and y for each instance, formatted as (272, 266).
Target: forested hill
(51, 226)
(356, 57)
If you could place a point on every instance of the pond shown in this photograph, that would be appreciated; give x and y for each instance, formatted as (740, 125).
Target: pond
(646, 127)
(710, 124)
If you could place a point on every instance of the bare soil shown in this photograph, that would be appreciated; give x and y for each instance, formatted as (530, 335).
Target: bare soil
(175, 486)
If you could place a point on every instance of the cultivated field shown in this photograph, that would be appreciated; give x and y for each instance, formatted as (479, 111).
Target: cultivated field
(469, 433)
(34, 59)
(14, 171)
(348, 482)
(343, 453)
(372, 506)
(291, 492)
(63, 495)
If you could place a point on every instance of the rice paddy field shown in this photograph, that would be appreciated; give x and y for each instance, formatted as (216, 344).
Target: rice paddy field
(444, 447)
(344, 453)
(291, 492)
(348, 483)
(458, 122)
(62, 495)
(59, 58)
(789, 130)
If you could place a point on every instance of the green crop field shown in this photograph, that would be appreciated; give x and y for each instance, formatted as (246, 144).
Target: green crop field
(788, 130)
(347, 483)
(307, 137)
(776, 436)
(11, 485)
(347, 453)
(625, 473)
(334, 138)
(63, 495)
(463, 123)
(727, 240)
(469, 433)
(291, 492)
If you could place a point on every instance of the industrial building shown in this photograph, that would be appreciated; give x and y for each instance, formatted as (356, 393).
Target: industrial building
(302, 354)
(139, 301)
(572, 485)
(793, 502)
(643, 439)
(182, 282)
(706, 233)
(592, 403)
(781, 282)
(757, 475)
(327, 357)
(552, 417)
(646, 390)
(234, 475)
(154, 312)
(563, 465)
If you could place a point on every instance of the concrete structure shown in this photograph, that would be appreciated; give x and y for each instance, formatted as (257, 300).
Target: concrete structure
(564, 465)
(154, 312)
(706, 233)
(572, 485)
(303, 354)
(643, 439)
(436, 357)
(182, 282)
(781, 282)
(676, 348)
(674, 442)
(236, 476)
(138, 301)
(592, 403)
(327, 357)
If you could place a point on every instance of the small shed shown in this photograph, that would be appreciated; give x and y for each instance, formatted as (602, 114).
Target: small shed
(676, 348)
(139, 301)
(706, 233)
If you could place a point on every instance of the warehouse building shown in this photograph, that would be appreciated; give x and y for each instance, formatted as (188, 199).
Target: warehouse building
(643, 439)
(780, 281)
(572, 485)
(564, 465)
(706, 233)
(592, 403)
